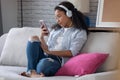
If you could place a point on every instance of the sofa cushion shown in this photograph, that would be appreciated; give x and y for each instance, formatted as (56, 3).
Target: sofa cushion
(13, 73)
(2, 42)
(105, 42)
(14, 50)
(82, 64)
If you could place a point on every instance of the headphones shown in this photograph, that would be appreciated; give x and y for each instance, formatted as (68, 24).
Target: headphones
(68, 12)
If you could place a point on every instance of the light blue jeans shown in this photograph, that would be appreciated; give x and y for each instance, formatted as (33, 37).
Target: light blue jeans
(37, 60)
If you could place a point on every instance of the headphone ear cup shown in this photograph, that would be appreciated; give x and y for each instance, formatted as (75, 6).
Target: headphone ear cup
(69, 13)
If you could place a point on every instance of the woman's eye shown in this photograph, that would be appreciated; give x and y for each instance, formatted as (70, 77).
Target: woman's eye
(57, 17)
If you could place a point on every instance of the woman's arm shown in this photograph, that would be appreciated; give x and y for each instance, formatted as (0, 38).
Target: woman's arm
(44, 32)
(43, 44)
(64, 53)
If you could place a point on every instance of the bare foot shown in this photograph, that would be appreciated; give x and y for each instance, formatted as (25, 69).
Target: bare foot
(25, 74)
(37, 75)
(32, 75)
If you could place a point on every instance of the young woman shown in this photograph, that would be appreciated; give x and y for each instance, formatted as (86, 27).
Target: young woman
(65, 40)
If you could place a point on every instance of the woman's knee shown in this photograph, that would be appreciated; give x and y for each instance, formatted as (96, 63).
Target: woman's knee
(43, 62)
(47, 65)
(33, 45)
(48, 62)
(34, 38)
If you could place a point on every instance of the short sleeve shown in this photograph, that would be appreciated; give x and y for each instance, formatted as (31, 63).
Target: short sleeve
(78, 40)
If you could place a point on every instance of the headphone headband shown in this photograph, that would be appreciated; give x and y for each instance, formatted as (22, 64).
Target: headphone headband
(68, 12)
(65, 8)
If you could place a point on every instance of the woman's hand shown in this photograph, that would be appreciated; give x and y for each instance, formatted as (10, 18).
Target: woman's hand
(44, 31)
(45, 49)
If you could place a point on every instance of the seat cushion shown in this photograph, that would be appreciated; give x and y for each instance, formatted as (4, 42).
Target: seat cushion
(104, 42)
(12, 73)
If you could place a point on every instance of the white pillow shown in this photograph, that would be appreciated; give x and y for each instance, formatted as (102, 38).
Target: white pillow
(105, 42)
(14, 50)
(2, 42)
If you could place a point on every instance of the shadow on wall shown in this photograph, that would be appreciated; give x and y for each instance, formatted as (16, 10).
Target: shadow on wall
(1, 29)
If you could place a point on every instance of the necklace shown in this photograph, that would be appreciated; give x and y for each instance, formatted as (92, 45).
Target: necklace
(70, 25)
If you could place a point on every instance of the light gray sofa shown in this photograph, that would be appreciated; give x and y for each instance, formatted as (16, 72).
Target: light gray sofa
(13, 59)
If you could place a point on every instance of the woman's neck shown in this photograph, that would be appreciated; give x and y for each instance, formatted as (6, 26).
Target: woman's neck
(70, 24)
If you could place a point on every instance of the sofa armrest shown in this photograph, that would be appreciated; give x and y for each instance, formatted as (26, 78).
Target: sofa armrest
(110, 75)
(2, 42)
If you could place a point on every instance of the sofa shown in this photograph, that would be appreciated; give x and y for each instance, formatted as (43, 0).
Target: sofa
(13, 58)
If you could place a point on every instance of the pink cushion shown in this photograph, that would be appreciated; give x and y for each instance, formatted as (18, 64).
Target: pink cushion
(82, 64)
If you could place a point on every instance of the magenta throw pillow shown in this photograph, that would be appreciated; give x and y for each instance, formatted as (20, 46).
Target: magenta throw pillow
(84, 63)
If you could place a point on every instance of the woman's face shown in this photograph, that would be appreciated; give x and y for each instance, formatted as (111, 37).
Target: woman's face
(62, 19)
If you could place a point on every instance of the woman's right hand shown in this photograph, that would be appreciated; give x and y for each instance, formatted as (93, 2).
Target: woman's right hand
(44, 31)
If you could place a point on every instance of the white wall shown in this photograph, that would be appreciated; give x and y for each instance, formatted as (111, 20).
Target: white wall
(9, 14)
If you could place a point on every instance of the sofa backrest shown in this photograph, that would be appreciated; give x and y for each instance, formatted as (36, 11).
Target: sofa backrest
(105, 42)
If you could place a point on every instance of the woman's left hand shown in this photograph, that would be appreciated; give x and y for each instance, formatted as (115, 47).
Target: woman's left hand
(45, 49)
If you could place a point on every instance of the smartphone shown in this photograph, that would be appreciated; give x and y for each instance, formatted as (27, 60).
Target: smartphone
(42, 23)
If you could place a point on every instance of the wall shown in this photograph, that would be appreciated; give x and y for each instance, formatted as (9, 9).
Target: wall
(34, 10)
(9, 14)
(1, 29)
(93, 12)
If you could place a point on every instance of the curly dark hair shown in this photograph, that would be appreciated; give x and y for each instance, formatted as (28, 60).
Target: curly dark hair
(78, 18)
